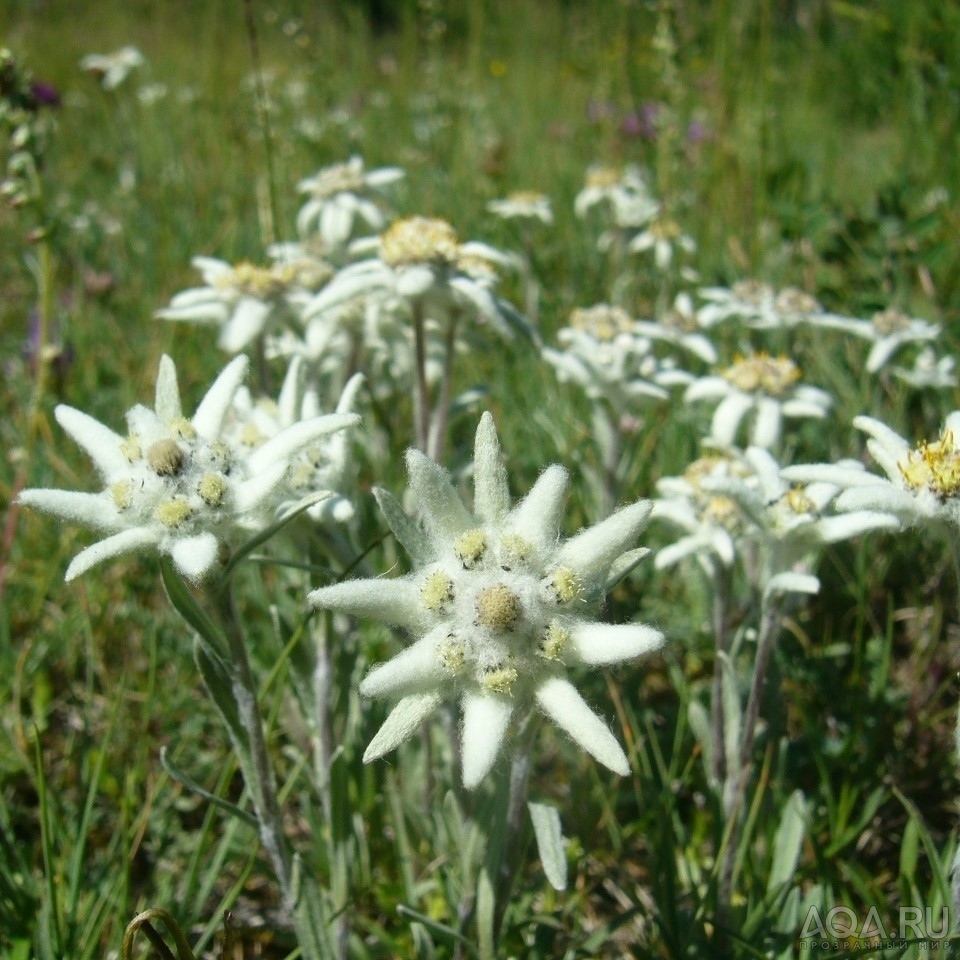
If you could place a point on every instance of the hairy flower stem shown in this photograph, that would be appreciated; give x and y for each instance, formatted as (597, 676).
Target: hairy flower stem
(719, 583)
(421, 394)
(438, 421)
(738, 776)
(300, 895)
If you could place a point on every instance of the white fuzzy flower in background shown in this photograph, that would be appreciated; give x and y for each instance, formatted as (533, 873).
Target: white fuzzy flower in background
(663, 236)
(421, 265)
(113, 68)
(341, 197)
(499, 608)
(172, 483)
(763, 387)
(928, 371)
(678, 327)
(752, 301)
(887, 330)
(602, 352)
(623, 192)
(788, 525)
(523, 205)
(324, 465)
(922, 483)
(243, 300)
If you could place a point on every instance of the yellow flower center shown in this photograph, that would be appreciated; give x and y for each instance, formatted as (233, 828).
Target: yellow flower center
(261, 283)
(761, 373)
(172, 513)
(792, 300)
(436, 591)
(499, 679)
(934, 466)
(337, 178)
(565, 585)
(601, 321)
(796, 500)
(890, 321)
(212, 489)
(165, 457)
(603, 177)
(419, 240)
(122, 494)
(752, 292)
(470, 548)
(554, 640)
(498, 607)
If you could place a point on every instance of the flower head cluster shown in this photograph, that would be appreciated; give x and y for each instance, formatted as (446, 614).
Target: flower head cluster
(526, 205)
(242, 299)
(764, 386)
(499, 609)
(341, 196)
(175, 483)
(622, 192)
(760, 307)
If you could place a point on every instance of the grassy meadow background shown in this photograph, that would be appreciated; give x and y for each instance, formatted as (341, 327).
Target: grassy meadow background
(810, 138)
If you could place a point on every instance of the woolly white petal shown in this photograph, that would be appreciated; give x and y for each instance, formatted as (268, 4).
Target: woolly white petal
(402, 723)
(671, 555)
(413, 668)
(444, 514)
(848, 525)
(245, 324)
(591, 551)
(250, 495)
(791, 583)
(288, 401)
(101, 444)
(707, 388)
(90, 509)
(352, 281)
(727, 417)
(887, 498)
(491, 492)
(485, 722)
(768, 423)
(840, 475)
(415, 281)
(194, 556)
(294, 438)
(881, 352)
(208, 420)
(336, 222)
(127, 541)
(561, 702)
(167, 403)
(537, 516)
(599, 644)
(394, 602)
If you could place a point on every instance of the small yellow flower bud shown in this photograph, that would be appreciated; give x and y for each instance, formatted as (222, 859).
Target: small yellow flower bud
(437, 591)
(130, 447)
(181, 427)
(172, 513)
(565, 585)
(165, 457)
(122, 494)
(470, 548)
(452, 653)
(212, 488)
(498, 607)
(552, 643)
(499, 679)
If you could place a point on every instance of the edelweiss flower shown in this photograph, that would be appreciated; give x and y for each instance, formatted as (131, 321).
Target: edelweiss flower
(928, 371)
(762, 385)
(678, 327)
(662, 235)
(788, 525)
(922, 484)
(174, 483)
(113, 68)
(340, 196)
(321, 466)
(624, 191)
(523, 205)
(422, 264)
(241, 299)
(499, 609)
(888, 331)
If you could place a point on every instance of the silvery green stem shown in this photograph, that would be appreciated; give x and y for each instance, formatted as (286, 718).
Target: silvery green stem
(322, 686)
(955, 866)
(421, 395)
(438, 421)
(719, 583)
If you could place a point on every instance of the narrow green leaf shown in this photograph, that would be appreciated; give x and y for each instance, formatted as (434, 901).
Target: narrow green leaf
(405, 528)
(546, 828)
(187, 606)
(192, 785)
(486, 911)
(787, 842)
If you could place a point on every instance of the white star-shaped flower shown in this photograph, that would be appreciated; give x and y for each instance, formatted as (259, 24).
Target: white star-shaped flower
(762, 386)
(499, 608)
(112, 68)
(173, 483)
(523, 205)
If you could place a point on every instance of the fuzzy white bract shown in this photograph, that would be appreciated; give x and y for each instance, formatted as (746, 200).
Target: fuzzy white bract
(175, 484)
(499, 608)
(113, 68)
(523, 205)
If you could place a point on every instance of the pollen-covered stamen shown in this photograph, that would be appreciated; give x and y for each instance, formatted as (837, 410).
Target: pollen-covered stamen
(471, 548)
(419, 240)
(181, 427)
(762, 373)
(603, 178)
(436, 591)
(165, 457)
(798, 502)
(212, 489)
(601, 321)
(452, 653)
(130, 447)
(173, 513)
(934, 466)
(555, 638)
(564, 586)
(498, 607)
(261, 283)
(890, 321)
(251, 435)
(122, 494)
(498, 679)
(514, 551)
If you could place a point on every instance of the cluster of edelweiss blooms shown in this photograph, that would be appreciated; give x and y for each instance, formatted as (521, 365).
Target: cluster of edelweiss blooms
(498, 606)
